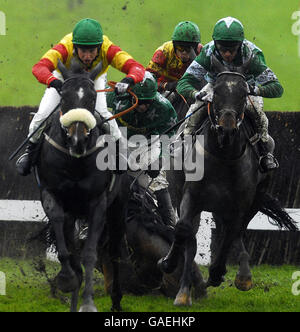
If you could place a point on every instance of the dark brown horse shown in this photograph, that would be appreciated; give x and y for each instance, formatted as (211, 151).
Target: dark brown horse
(73, 187)
(147, 238)
(232, 188)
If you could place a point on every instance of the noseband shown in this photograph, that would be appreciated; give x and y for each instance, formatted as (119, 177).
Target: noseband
(66, 128)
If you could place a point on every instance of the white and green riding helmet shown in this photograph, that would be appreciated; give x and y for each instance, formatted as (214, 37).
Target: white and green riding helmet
(228, 29)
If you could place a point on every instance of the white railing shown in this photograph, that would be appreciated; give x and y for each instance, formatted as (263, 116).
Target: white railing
(33, 211)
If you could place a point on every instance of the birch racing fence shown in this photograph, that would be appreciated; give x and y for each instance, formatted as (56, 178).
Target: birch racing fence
(21, 214)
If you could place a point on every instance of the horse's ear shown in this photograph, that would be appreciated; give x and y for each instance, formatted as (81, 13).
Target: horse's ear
(217, 65)
(244, 68)
(64, 71)
(94, 73)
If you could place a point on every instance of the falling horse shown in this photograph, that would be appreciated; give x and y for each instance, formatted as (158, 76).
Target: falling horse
(147, 238)
(73, 187)
(232, 188)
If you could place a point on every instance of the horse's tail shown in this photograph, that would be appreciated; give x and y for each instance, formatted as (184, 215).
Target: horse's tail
(271, 207)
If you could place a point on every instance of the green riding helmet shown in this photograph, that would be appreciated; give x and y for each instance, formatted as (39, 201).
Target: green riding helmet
(87, 32)
(186, 32)
(228, 29)
(147, 89)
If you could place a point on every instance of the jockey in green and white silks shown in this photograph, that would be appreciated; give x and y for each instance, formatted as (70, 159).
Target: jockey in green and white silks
(153, 115)
(231, 48)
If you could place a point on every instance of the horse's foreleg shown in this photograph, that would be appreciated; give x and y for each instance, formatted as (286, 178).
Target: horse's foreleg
(184, 243)
(183, 230)
(191, 218)
(183, 297)
(66, 278)
(217, 269)
(96, 226)
(75, 261)
(243, 279)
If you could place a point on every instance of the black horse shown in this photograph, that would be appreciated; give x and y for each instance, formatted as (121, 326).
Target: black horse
(73, 187)
(147, 238)
(232, 188)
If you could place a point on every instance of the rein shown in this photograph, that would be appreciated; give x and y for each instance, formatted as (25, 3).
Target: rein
(112, 85)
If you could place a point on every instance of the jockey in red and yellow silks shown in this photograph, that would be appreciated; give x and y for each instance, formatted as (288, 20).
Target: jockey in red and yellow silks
(109, 54)
(171, 60)
(88, 46)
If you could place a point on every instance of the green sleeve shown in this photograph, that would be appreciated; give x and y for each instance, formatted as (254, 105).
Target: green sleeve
(194, 78)
(265, 79)
(188, 85)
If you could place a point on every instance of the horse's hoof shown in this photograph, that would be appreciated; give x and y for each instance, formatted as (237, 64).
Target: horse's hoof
(88, 308)
(116, 308)
(243, 283)
(164, 266)
(183, 299)
(67, 283)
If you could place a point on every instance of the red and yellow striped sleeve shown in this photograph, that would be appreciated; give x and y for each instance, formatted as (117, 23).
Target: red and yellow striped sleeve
(122, 61)
(158, 65)
(44, 68)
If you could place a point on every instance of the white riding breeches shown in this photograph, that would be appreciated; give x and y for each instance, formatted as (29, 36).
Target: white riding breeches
(51, 99)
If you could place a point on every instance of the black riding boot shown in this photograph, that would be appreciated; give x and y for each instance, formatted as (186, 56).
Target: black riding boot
(165, 207)
(27, 160)
(267, 161)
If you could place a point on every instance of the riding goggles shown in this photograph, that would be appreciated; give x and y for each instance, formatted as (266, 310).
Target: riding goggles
(227, 47)
(182, 49)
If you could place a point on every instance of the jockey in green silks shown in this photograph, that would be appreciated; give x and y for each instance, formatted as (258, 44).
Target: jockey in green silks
(231, 48)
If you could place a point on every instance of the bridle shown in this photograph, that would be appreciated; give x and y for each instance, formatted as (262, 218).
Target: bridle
(92, 85)
(214, 118)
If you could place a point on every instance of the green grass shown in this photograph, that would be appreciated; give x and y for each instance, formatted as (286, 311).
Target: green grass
(28, 290)
(139, 27)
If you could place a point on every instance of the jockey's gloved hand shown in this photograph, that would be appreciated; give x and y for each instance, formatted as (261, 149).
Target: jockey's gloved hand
(206, 94)
(170, 86)
(122, 86)
(253, 90)
(153, 173)
(56, 84)
(199, 95)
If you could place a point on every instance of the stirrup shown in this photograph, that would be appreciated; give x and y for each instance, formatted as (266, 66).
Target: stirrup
(24, 164)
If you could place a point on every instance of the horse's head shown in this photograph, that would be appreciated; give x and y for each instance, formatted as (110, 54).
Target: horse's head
(78, 99)
(229, 101)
